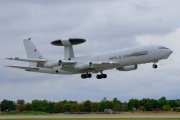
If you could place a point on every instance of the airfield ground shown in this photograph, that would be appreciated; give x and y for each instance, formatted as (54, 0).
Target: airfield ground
(126, 116)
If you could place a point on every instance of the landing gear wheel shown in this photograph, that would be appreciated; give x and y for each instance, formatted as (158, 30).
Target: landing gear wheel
(83, 76)
(155, 66)
(104, 76)
(98, 76)
(89, 75)
(101, 76)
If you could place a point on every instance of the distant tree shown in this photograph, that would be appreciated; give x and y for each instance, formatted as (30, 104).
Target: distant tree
(102, 105)
(154, 104)
(87, 106)
(20, 108)
(50, 107)
(20, 102)
(109, 104)
(173, 103)
(141, 108)
(148, 106)
(133, 103)
(44, 105)
(178, 103)
(162, 101)
(166, 107)
(69, 102)
(72, 102)
(5, 105)
(59, 107)
(65, 102)
(36, 105)
(117, 105)
(94, 106)
(74, 107)
(29, 107)
(20, 105)
(67, 108)
(124, 106)
(80, 107)
(104, 99)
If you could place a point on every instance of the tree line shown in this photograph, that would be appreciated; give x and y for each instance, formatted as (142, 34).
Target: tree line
(145, 104)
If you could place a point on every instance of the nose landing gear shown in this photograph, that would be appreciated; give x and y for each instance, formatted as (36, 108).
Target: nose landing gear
(154, 66)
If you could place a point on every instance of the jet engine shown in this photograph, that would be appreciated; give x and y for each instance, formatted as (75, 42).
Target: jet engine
(83, 66)
(128, 68)
(53, 64)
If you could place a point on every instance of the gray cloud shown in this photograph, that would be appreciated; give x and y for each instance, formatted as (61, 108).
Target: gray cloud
(106, 25)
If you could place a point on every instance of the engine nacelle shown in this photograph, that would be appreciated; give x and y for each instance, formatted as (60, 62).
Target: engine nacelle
(83, 66)
(128, 68)
(53, 64)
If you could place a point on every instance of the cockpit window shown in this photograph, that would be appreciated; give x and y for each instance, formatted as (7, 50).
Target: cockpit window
(163, 47)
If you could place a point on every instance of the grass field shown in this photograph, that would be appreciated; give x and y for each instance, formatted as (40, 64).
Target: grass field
(122, 116)
(89, 118)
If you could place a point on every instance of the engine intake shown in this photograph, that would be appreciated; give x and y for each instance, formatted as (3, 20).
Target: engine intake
(128, 68)
(53, 64)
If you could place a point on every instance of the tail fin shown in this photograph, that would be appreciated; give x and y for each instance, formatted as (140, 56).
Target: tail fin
(32, 51)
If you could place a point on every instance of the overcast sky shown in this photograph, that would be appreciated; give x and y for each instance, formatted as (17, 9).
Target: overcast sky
(106, 25)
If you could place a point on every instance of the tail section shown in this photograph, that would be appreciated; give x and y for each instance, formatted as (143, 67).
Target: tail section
(32, 51)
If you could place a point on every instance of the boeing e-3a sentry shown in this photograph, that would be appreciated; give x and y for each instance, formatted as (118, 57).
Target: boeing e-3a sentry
(122, 60)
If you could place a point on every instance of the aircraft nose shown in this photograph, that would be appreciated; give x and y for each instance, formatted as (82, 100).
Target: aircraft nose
(170, 51)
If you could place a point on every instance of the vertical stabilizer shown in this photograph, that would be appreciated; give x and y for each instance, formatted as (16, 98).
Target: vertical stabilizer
(32, 51)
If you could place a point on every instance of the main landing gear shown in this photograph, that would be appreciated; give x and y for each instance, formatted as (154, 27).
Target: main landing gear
(88, 75)
(84, 76)
(101, 76)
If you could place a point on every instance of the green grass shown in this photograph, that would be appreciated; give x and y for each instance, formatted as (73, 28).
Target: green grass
(93, 119)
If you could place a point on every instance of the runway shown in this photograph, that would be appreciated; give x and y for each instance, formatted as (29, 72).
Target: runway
(89, 116)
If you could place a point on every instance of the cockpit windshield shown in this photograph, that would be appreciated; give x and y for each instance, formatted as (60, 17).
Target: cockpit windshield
(163, 47)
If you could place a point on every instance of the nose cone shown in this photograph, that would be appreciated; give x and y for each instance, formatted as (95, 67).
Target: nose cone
(170, 51)
(167, 53)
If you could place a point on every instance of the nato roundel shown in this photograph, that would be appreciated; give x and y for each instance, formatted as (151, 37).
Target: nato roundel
(66, 42)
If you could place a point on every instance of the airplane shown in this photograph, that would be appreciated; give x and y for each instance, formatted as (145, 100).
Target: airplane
(122, 60)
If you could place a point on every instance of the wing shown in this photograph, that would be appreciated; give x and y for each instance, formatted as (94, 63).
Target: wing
(39, 62)
(27, 59)
(24, 68)
(103, 65)
(95, 66)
